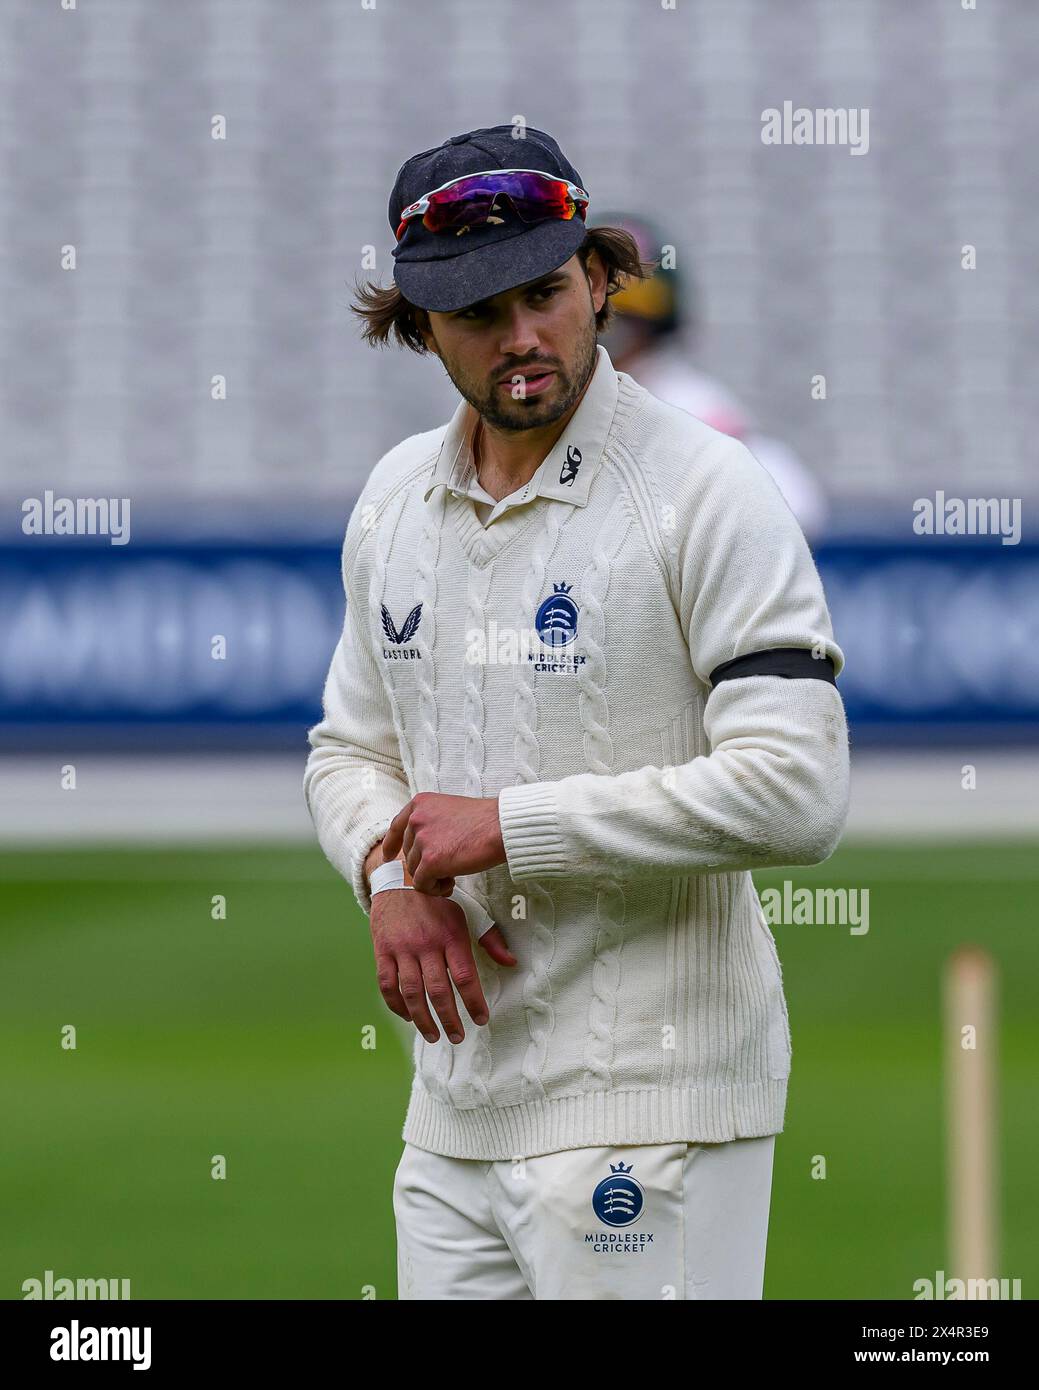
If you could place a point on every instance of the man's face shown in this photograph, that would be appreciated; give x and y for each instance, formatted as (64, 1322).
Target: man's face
(523, 357)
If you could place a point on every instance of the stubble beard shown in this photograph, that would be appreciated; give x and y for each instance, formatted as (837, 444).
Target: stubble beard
(524, 414)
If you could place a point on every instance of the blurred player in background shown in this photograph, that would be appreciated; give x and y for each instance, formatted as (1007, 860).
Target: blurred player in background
(648, 339)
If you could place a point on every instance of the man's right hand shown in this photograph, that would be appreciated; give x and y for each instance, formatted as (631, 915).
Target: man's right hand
(422, 944)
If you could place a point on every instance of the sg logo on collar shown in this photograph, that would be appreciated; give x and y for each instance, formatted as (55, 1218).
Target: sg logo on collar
(568, 472)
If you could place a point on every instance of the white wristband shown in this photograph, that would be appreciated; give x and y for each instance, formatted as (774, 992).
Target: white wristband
(391, 875)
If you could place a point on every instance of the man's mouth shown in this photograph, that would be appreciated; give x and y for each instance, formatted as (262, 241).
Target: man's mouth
(529, 380)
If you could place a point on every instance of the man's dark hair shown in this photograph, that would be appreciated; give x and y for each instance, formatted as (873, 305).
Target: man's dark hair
(386, 314)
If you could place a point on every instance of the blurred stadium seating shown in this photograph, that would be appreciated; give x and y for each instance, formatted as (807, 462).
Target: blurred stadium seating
(199, 258)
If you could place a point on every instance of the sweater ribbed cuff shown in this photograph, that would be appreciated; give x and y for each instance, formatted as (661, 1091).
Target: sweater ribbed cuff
(333, 806)
(365, 844)
(529, 819)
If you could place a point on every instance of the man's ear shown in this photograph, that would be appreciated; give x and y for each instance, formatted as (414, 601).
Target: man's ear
(595, 271)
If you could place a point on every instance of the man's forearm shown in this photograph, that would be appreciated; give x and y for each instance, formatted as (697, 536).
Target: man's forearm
(372, 862)
(773, 791)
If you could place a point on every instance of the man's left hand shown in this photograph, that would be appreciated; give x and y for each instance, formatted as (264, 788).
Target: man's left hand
(444, 836)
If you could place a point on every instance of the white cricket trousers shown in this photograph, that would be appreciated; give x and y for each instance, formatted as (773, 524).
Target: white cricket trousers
(646, 1221)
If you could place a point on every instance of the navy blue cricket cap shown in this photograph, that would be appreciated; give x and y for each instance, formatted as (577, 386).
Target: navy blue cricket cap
(444, 271)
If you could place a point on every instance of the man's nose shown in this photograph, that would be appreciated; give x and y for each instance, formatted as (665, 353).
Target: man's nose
(519, 336)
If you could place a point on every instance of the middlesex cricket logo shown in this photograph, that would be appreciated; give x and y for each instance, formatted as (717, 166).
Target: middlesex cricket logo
(406, 633)
(618, 1200)
(556, 618)
(556, 625)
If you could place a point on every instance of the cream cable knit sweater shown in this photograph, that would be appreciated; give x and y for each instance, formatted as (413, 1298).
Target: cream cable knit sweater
(647, 1005)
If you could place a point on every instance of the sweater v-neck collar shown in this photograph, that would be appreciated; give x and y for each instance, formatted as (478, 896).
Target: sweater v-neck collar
(482, 543)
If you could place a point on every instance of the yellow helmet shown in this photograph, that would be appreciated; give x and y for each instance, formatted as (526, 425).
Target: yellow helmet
(656, 299)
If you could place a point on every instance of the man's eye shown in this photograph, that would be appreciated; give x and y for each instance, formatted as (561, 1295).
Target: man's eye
(475, 312)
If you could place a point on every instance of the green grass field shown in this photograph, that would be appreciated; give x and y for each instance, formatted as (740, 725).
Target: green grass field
(242, 1038)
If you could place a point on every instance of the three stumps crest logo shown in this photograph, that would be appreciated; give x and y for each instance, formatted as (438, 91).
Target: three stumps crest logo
(556, 618)
(556, 625)
(618, 1200)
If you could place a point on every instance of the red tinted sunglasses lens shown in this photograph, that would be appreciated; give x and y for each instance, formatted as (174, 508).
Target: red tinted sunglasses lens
(453, 209)
(469, 202)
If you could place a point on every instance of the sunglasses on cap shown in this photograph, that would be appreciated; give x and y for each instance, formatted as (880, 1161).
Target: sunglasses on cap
(470, 200)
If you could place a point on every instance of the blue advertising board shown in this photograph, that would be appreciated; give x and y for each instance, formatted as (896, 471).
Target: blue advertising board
(174, 645)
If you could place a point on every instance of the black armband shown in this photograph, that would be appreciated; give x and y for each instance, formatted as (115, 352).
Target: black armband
(794, 663)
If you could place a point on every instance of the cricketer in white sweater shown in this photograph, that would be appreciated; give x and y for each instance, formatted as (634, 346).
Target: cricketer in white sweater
(672, 724)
